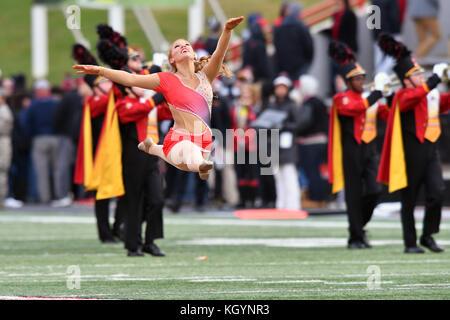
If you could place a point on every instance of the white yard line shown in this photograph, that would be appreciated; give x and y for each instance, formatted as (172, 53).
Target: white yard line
(364, 291)
(309, 223)
(280, 279)
(318, 290)
(290, 223)
(223, 280)
(286, 242)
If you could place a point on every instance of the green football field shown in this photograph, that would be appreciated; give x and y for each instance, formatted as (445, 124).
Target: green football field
(213, 257)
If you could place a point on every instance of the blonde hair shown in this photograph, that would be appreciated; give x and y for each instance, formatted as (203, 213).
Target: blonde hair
(200, 63)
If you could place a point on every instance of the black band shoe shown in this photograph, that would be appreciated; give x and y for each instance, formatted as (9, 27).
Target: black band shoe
(428, 242)
(153, 250)
(356, 244)
(365, 241)
(137, 253)
(414, 250)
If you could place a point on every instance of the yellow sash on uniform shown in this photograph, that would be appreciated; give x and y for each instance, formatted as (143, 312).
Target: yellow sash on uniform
(433, 130)
(152, 123)
(370, 124)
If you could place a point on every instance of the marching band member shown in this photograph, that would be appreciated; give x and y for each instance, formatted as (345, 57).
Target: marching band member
(143, 194)
(92, 123)
(410, 156)
(143, 199)
(352, 154)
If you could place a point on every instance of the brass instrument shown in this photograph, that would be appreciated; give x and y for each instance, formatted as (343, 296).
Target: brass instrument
(395, 81)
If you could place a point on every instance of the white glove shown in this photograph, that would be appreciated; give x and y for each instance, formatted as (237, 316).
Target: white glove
(440, 68)
(433, 94)
(381, 80)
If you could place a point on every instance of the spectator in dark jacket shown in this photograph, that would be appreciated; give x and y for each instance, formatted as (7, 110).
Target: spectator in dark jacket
(215, 28)
(312, 141)
(286, 176)
(293, 44)
(245, 146)
(66, 126)
(283, 9)
(220, 120)
(22, 186)
(37, 123)
(345, 30)
(255, 54)
(345, 25)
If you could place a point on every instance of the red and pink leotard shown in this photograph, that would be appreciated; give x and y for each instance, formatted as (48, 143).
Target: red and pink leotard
(196, 101)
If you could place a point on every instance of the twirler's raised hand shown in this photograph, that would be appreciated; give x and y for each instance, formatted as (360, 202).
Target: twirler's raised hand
(87, 69)
(233, 23)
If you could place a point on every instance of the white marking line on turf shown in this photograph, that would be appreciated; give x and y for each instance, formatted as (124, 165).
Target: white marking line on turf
(36, 274)
(114, 265)
(447, 284)
(291, 281)
(298, 263)
(217, 222)
(285, 292)
(48, 219)
(286, 242)
(331, 290)
(355, 282)
(45, 298)
(351, 262)
(47, 238)
(320, 281)
(222, 280)
(288, 223)
(118, 277)
(51, 267)
(46, 254)
(190, 279)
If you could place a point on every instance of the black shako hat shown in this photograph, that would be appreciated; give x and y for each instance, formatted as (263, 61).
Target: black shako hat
(83, 56)
(405, 64)
(348, 67)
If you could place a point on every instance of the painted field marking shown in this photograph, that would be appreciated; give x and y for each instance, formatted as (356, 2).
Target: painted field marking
(286, 242)
(223, 280)
(312, 223)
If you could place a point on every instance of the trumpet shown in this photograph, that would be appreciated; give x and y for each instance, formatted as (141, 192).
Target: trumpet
(395, 81)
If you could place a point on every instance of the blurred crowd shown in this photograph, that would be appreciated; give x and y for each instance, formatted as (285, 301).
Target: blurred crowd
(40, 127)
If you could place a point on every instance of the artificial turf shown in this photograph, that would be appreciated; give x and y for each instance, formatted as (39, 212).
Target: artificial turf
(212, 257)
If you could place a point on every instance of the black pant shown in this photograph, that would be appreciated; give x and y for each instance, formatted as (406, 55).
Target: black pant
(201, 191)
(176, 182)
(267, 188)
(171, 177)
(218, 193)
(423, 166)
(362, 191)
(311, 157)
(248, 178)
(142, 179)
(153, 204)
(102, 216)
